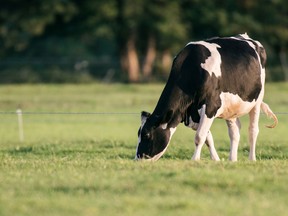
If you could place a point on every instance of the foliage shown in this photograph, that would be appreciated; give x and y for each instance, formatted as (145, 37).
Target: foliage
(128, 32)
(21, 21)
(83, 164)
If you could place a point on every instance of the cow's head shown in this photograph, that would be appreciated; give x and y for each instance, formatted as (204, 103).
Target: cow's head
(153, 136)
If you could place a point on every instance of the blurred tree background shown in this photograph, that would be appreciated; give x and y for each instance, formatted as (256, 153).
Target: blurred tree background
(127, 40)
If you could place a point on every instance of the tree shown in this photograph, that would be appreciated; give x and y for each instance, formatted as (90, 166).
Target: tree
(145, 27)
(142, 34)
(21, 21)
(125, 32)
(266, 22)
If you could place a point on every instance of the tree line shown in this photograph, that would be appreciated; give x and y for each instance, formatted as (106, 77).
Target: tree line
(139, 38)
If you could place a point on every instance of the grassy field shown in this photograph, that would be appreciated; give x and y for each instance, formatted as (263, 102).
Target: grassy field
(82, 164)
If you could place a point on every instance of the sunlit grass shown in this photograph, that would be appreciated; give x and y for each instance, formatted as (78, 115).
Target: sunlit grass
(83, 164)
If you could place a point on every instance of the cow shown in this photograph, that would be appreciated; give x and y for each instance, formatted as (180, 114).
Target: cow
(220, 77)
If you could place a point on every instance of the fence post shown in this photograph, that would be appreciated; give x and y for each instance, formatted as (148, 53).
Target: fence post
(20, 124)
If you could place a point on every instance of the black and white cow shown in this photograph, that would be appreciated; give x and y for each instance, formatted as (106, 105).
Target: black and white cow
(214, 78)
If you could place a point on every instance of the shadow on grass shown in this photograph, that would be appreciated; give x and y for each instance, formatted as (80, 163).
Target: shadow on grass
(107, 149)
(21, 150)
(99, 149)
(76, 190)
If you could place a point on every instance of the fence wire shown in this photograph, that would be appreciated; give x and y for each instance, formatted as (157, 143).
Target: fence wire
(88, 113)
(20, 114)
(69, 113)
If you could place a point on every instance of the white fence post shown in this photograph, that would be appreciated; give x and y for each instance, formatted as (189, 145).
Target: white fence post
(20, 124)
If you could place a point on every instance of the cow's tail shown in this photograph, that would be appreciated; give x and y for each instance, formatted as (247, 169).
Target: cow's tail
(266, 109)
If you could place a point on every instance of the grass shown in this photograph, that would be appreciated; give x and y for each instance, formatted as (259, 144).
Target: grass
(82, 164)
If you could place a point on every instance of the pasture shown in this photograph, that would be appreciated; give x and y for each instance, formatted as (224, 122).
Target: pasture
(82, 163)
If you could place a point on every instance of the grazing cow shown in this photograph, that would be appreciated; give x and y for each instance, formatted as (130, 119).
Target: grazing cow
(215, 78)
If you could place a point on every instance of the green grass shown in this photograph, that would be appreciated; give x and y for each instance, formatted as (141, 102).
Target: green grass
(83, 164)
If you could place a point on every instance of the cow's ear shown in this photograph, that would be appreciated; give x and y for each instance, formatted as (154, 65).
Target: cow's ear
(166, 119)
(144, 116)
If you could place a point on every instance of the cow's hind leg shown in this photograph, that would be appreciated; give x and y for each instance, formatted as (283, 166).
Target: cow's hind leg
(202, 133)
(234, 134)
(253, 131)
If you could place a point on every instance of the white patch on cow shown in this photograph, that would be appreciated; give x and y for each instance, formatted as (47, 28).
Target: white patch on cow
(245, 35)
(213, 63)
(262, 76)
(172, 131)
(143, 121)
(156, 157)
(232, 106)
(164, 126)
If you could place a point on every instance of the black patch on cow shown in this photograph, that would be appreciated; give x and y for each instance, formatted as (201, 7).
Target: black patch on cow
(192, 111)
(187, 68)
(240, 68)
(172, 104)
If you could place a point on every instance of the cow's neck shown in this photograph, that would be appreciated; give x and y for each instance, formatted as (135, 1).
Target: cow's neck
(175, 100)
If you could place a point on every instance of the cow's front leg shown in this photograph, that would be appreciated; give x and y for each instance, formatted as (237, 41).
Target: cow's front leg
(202, 133)
(234, 126)
(210, 143)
